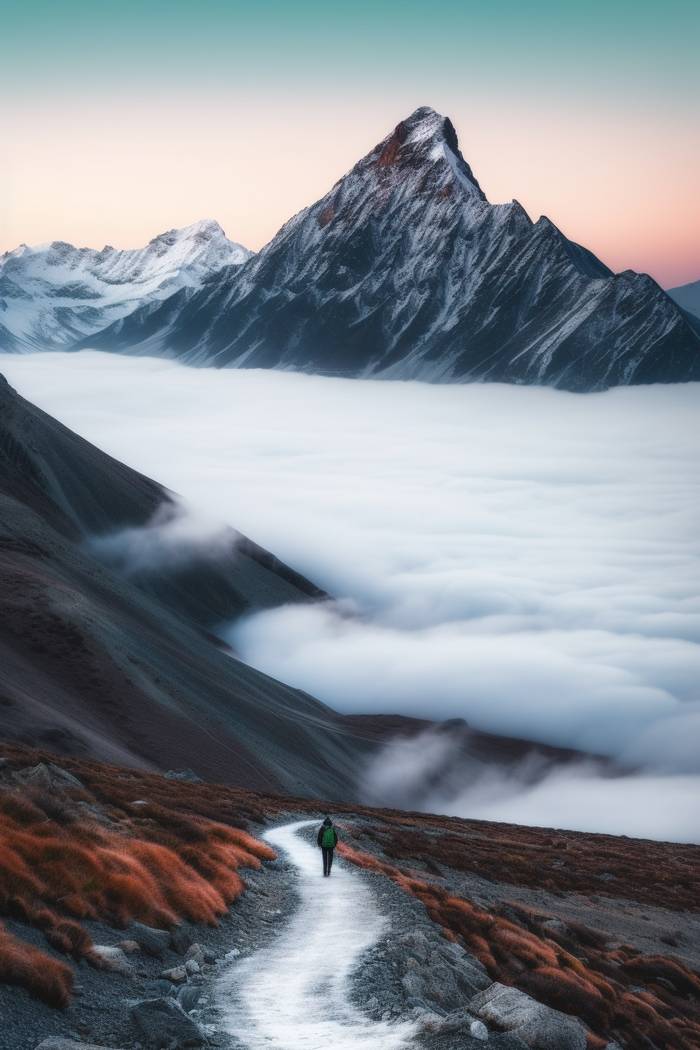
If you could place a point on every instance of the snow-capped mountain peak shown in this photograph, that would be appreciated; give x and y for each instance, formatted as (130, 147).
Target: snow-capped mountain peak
(52, 294)
(424, 140)
(403, 270)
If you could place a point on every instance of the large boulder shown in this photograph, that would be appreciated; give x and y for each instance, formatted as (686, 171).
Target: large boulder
(435, 983)
(153, 942)
(164, 1023)
(45, 777)
(441, 974)
(536, 1024)
(469, 973)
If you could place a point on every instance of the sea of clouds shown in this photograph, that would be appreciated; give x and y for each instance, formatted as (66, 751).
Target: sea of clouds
(521, 557)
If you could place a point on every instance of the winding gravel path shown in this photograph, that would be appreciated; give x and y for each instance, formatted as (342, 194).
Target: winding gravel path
(294, 994)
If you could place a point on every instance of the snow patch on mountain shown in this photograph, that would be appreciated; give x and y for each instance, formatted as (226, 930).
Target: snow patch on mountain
(404, 270)
(53, 294)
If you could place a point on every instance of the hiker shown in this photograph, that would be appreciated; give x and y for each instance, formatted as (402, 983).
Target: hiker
(327, 839)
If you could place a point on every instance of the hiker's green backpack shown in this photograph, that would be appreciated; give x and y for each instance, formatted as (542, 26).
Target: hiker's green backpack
(328, 840)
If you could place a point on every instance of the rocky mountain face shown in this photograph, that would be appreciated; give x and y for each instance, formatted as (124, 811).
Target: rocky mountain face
(405, 271)
(55, 294)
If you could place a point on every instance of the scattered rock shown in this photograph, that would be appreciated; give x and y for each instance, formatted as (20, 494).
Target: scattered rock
(109, 957)
(465, 1022)
(56, 1042)
(178, 975)
(555, 924)
(46, 777)
(536, 1024)
(607, 876)
(195, 954)
(160, 988)
(153, 942)
(180, 940)
(164, 1023)
(418, 942)
(129, 947)
(188, 996)
(192, 967)
(183, 774)
(209, 956)
(478, 1030)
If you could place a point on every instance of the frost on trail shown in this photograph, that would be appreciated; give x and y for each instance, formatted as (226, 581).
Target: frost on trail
(294, 995)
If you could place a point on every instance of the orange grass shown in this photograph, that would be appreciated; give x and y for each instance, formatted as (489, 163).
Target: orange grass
(113, 862)
(201, 825)
(516, 955)
(48, 979)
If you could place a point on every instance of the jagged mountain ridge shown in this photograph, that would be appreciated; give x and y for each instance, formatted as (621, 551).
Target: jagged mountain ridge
(405, 271)
(54, 294)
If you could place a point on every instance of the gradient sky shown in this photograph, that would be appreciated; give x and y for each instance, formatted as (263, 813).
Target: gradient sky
(121, 120)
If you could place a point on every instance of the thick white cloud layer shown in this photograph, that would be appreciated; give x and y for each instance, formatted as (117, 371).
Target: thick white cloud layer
(521, 557)
(429, 772)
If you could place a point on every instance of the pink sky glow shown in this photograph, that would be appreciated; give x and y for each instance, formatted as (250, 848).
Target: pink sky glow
(100, 173)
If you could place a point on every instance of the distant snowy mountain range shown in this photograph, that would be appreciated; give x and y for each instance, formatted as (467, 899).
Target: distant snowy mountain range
(55, 294)
(402, 271)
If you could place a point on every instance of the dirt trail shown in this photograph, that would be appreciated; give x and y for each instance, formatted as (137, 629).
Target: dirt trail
(294, 995)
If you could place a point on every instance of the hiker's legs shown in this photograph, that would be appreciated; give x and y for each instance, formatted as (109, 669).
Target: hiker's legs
(327, 860)
(330, 860)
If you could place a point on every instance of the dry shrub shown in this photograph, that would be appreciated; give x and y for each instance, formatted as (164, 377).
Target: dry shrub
(570, 994)
(649, 970)
(522, 953)
(45, 978)
(20, 809)
(113, 862)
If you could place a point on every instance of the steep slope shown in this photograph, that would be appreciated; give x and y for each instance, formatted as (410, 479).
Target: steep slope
(404, 270)
(122, 668)
(53, 294)
(107, 610)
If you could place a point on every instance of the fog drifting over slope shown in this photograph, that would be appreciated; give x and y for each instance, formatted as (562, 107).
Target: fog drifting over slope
(521, 557)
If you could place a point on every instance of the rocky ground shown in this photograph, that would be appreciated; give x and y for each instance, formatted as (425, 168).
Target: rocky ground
(413, 973)
(101, 1011)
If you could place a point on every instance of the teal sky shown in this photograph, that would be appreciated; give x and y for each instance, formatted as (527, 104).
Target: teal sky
(599, 46)
(585, 111)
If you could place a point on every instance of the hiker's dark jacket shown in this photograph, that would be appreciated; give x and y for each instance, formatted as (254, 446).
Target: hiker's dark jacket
(322, 831)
